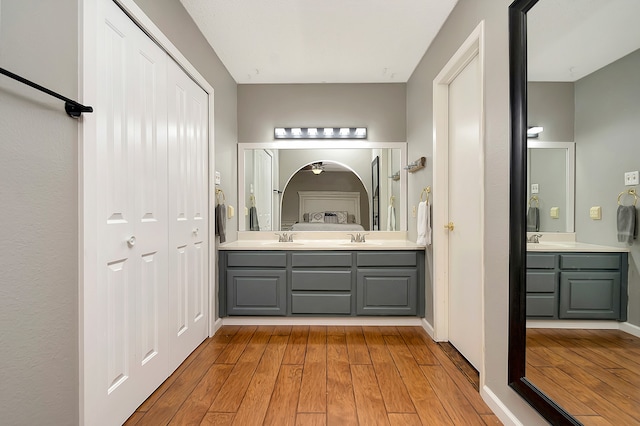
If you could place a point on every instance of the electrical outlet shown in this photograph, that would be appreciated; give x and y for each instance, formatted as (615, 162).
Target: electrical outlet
(631, 178)
(535, 188)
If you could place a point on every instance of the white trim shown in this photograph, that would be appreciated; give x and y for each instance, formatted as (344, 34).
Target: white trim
(576, 325)
(428, 328)
(499, 409)
(630, 328)
(87, 214)
(472, 47)
(348, 321)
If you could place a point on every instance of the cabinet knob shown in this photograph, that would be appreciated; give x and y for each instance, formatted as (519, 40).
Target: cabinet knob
(449, 226)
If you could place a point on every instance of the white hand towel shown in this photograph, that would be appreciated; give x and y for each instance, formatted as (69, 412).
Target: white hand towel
(391, 218)
(424, 224)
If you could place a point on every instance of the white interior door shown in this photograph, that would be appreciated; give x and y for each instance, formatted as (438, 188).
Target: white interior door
(128, 355)
(465, 213)
(188, 212)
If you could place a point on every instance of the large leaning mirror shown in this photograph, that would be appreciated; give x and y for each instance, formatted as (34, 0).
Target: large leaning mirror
(321, 185)
(575, 72)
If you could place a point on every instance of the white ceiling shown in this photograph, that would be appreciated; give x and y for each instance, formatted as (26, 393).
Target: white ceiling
(320, 41)
(570, 39)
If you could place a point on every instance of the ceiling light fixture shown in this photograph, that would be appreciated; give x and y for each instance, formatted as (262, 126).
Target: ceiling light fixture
(534, 131)
(320, 133)
(317, 168)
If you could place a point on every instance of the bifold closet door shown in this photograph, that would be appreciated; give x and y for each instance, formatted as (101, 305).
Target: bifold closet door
(188, 214)
(127, 352)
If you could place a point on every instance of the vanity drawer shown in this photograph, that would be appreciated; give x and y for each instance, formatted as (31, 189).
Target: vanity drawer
(541, 260)
(387, 258)
(320, 259)
(590, 261)
(321, 303)
(541, 281)
(541, 305)
(321, 280)
(257, 259)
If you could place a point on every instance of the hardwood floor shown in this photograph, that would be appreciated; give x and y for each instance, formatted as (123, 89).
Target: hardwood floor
(316, 375)
(592, 374)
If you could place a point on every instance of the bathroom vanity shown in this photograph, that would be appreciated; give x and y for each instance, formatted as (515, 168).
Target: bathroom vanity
(321, 278)
(575, 281)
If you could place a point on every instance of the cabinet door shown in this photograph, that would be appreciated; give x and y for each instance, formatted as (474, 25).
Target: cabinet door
(387, 291)
(590, 295)
(256, 292)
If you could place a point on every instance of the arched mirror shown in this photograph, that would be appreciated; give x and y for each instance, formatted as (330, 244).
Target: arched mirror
(575, 74)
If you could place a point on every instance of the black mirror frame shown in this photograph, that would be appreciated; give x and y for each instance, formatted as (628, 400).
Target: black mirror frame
(551, 411)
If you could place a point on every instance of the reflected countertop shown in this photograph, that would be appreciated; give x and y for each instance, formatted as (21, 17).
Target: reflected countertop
(571, 246)
(321, 241)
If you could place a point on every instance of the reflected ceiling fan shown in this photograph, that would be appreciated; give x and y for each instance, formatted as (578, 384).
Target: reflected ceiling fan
(316, 168)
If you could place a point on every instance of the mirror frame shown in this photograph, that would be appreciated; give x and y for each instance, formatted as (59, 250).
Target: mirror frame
(327, 144)
(516, 369)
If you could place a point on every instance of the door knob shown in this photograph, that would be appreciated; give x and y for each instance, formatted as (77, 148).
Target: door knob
(449, 226)
(131, 241)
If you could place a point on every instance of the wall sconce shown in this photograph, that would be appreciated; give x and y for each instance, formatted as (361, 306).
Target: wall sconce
(534, 131)
(320, 133)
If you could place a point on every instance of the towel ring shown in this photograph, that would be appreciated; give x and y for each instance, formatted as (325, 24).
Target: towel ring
(425, 192)
(534, 198)
(218, 192)
(630, 192)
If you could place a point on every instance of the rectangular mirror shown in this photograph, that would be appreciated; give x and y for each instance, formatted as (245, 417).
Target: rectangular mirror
(280, 184)
(551, 185)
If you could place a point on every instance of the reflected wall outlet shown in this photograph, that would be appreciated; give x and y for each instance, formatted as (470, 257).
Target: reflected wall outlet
(631, 178)
(217, 178)
(595, 213)
(535, 189)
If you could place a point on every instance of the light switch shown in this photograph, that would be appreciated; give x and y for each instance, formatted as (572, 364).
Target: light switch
(595, 213)
(230, 212)
(217, 178)
(246, 211)
(631, 178)
(535, 188)
(554, 212)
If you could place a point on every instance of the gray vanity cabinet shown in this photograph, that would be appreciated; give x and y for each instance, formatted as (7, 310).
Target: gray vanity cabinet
(255, 283)
(577, 285)
(336, 283)
(387, 283)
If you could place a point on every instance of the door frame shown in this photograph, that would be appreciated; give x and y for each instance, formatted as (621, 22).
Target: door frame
(87, 179)
(473, 46)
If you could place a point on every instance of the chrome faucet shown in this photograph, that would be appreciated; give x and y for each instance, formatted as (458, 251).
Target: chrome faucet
(535, 238)
(285, 238)
(358, 238)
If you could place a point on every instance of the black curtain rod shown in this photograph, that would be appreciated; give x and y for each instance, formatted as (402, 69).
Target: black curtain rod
(73, 108)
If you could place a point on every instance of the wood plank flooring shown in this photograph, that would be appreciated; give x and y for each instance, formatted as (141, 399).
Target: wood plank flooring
(593, 374)
(316, 375)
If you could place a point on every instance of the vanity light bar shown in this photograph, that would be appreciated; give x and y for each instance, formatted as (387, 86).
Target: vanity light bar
(320, 133)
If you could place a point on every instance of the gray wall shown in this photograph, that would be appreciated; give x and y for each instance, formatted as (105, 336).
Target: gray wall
(606, 130)
(39, 227)
(465, 17)
(39, 362)
(380, 107)
(551, 105)
(548, 169)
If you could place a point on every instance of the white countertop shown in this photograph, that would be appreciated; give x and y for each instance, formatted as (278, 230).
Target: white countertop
(321, 241)
(571, 246)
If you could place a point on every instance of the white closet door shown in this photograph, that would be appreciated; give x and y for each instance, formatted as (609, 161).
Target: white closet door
(128, 355)
(188, 213)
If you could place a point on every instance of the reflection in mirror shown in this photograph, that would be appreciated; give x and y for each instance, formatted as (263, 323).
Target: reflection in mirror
(583, 60)
(550, 186)
(335, 178)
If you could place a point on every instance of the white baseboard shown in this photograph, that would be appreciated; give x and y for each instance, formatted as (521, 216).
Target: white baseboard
(428, 328)
(585, 325)
(355, 321)
(630, 328)
(216, 325)
(499, 409)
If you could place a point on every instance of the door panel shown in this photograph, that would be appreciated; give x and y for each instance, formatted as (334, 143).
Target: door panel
(465, 243)
(130, 357)
(188, 228)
